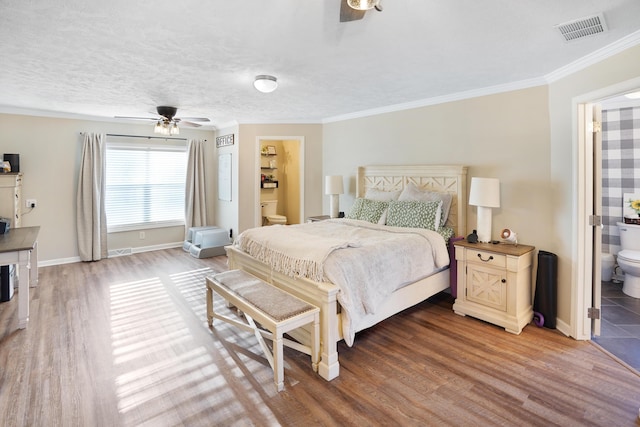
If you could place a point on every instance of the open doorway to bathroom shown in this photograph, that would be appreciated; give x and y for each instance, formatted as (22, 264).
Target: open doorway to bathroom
(620, 179)
(281, 179)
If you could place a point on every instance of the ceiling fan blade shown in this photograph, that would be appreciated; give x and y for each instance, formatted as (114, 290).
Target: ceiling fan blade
(195, 119)
(347, 13)
(135, 118)
(189, 124)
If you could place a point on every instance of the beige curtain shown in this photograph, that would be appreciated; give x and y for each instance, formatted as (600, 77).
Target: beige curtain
(195, 197)
(91, 217)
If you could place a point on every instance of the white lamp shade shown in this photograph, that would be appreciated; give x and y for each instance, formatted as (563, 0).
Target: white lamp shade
(485, 192)
(333, 184)
(265, 83)
(362, 4)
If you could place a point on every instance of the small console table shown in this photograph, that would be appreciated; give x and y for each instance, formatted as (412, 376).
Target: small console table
(20, 246)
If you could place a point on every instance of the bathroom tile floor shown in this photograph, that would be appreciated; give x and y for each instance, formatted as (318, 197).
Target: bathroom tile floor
(620, 334)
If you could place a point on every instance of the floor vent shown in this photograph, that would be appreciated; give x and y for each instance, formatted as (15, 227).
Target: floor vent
(581, 28)
(120, 252)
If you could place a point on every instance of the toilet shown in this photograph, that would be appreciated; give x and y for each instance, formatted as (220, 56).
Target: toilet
(629, 258)
(269, 216)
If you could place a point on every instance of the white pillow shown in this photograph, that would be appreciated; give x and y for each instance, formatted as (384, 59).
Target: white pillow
(381, 195)
(411, 192)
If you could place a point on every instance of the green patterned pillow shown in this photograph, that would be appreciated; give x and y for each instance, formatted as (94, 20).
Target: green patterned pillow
(414, 214)
(354, 213)
(372, 210)
(367, 210)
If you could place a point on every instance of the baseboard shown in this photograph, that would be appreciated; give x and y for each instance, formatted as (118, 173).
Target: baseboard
(112, 253)
(563, 327)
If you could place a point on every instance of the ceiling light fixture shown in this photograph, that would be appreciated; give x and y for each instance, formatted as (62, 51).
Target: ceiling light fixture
(362, 4)
(265, 83)
(633, 95)
(166, 127)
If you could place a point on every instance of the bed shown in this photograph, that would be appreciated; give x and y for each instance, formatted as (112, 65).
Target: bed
(449, 179)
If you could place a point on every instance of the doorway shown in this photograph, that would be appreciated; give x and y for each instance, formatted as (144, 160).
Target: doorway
(586, 293)
(280, 176)
(619, 333)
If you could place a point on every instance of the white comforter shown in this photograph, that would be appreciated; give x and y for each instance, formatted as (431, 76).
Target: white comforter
(366, 261)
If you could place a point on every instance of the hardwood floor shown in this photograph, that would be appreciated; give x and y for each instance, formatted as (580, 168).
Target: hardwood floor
(125, 342)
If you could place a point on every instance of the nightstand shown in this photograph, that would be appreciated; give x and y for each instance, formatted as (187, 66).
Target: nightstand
(494, 283)
(318, 218)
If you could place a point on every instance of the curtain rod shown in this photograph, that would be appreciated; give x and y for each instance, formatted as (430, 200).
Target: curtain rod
(146, 137)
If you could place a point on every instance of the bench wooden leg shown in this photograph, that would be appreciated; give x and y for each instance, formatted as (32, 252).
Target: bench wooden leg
(278, 361)
(210, 306)
(315, 342)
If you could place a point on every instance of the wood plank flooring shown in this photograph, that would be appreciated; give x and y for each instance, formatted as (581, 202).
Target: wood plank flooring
(125, 342)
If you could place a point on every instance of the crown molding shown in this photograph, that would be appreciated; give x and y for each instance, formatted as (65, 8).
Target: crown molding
(459, 96)
(621, 45)
(614, 48)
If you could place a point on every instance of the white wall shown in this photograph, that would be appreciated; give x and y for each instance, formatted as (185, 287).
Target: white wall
(563, 162)
(504, 136)
(525, 138)
(50, 150)
(225, 212)
(248, 174)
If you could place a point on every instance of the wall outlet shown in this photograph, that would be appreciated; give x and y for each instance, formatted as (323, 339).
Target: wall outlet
(142, 235)
(30, 203)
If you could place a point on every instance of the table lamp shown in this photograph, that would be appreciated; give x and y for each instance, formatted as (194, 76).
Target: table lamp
(333, 187)
(485, 194)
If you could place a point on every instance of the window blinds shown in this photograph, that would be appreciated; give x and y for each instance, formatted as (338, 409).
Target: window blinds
(145, 184)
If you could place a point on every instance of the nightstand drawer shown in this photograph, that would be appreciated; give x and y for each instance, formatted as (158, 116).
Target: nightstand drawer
(486, 258)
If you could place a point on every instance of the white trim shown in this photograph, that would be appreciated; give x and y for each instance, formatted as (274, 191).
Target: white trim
(140, 249)
(474, 93)
(580, 325)
(614, 48)
(573, 67)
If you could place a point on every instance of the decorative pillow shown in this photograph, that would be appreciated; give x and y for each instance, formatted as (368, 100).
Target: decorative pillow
(381, 195)
(367, 210)
(411, 192)
(354, 213)
(414, 214)
(372, 210)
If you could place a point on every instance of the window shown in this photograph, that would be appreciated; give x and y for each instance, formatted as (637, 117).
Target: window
(145, 184)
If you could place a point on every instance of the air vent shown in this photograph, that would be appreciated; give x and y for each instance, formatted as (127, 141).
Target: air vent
(584, 27)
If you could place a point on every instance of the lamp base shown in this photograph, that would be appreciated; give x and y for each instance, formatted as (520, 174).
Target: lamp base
(484, 224)
(334, 207)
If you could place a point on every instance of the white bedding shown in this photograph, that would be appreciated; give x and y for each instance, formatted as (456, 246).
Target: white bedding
(366, 261)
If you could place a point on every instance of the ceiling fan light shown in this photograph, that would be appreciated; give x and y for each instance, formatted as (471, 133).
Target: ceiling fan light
(265, 83)
(158, 127)
(174, 130)
(362, 4)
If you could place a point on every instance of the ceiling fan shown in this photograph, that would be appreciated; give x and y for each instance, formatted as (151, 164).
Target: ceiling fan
(167, 123)
(353, 10)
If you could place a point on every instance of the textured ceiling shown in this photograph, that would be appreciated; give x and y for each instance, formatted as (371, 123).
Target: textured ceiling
(123, 57)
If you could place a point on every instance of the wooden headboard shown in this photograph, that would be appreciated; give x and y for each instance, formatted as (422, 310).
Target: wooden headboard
(442, 178)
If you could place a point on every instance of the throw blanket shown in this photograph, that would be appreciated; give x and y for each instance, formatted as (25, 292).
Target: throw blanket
(366, 261)
(287, 250)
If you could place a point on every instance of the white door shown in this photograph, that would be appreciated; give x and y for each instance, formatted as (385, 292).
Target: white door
(597, 207)
(590, 240)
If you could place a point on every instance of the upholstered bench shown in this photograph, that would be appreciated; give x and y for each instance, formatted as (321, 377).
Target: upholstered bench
(274, 309)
